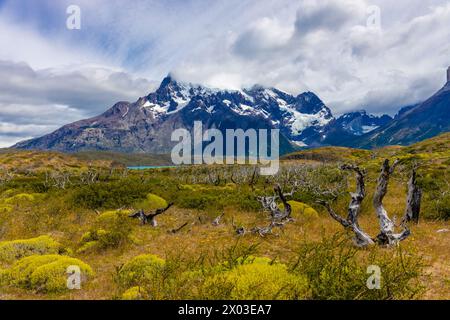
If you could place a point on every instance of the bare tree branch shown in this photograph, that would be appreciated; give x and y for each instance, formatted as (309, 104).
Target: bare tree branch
(150, 217)
(361, 238)
(387, 226)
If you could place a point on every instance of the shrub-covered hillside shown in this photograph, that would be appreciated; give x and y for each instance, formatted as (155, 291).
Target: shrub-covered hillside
(57, 211)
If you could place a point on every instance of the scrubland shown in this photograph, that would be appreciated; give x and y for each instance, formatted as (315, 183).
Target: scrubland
(58, 211)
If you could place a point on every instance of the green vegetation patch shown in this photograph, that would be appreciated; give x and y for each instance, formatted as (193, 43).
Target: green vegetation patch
(141, 269)
(259, 280)
(11, 251)
(152, 202)
(45, 273)
(300, 209)
(111, 229)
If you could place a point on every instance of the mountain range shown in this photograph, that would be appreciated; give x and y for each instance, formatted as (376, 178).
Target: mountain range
(145, 126)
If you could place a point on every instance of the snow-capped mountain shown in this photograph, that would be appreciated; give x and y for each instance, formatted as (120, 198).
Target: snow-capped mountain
(146, 125)
(359, 122)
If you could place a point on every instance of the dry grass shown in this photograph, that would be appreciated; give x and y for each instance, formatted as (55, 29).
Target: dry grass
(199, 238)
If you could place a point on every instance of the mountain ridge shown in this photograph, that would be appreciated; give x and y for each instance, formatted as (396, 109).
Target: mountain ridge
(145, 125)
(304, 121)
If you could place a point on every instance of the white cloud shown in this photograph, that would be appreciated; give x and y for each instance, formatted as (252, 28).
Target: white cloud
(318, 45)
(36, 102)
(334, 53)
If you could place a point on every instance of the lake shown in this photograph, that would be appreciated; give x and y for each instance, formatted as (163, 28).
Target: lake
(149, 167)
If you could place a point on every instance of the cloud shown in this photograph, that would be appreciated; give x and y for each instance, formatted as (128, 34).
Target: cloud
(322, 46)
(337, 54)
(314, 15)
(35, 102)
(264, 35)
(89, 88)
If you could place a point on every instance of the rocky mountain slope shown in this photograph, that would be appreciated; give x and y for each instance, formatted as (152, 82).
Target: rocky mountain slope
(412, 124)
(145, 126)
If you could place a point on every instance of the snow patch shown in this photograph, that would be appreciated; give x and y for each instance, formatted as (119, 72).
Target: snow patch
(367, 129)
(300, 144)
(298, 121)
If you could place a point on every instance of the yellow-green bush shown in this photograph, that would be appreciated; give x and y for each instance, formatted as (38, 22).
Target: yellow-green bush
(152, 202)
(300, 209)
(261, 280)
(141, 269)
(23, 197)
(90, 246)
(109, 218)
(3, 277)
(11, 251)
(5, 208)
(111, 229)
(46, 273)
(134, 293)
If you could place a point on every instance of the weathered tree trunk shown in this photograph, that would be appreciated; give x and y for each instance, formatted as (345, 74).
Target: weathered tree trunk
(151, 217)
(413, 200)
(361, 238)
(386, 235)
(387, 226)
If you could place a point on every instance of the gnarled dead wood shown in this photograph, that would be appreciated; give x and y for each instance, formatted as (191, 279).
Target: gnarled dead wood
(176, 230)
(278, 217)
(270, 204)
(217, 220)
(361, 238)
(387, 226)
(387, 235)
(413, 200)
(150, 217)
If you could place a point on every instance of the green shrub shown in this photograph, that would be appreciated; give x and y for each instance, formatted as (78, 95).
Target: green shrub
(109, 195)
(23, 198)
(46, 273)
(111, 229)
(152, 202)
(6, 208)
(11, 251)
(143, 269)
(300, 209)
(336, 270)
(134, 293)
(3, 277)
(260, 280)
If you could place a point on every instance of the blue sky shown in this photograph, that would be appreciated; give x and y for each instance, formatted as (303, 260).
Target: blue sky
(50, 75)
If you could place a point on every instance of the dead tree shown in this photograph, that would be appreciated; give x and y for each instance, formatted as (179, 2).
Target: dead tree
(413, 200)
(278, 217)
(90, 177)
(387, 226)
(149, 218)
(176, 230)
(270, 204)
(387, 235)
(217, 220)
(5, 176)
(361, 238)
(57, 179)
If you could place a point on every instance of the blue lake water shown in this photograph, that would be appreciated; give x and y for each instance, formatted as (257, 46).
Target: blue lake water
(150, 167)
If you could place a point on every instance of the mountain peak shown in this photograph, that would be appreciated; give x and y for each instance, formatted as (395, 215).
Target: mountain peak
(448, 75)
(167, 81)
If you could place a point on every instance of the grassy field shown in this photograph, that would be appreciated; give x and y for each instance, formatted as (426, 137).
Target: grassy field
(77, 208)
